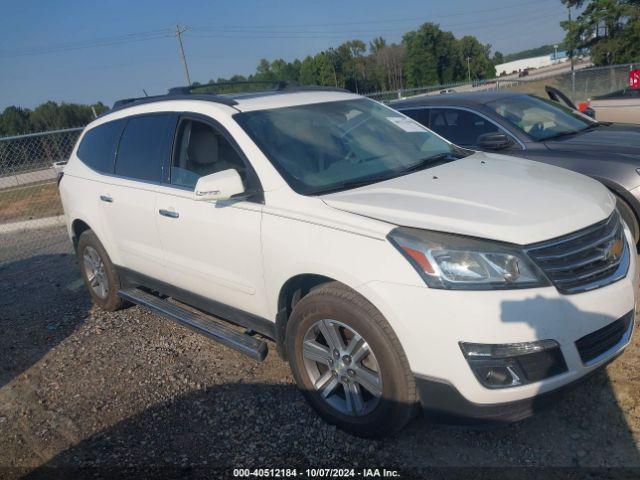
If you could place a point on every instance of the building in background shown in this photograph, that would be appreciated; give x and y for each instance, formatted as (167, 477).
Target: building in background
(533, 62)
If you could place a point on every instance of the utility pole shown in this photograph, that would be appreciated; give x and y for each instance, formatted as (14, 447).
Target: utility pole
(571, 54)
(179, 32)
(469, 68)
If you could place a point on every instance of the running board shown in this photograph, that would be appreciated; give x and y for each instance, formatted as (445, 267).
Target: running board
(200, 322)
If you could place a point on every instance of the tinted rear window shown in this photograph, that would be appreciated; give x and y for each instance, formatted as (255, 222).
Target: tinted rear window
(419, 115)
(98, 146)
(143, 148)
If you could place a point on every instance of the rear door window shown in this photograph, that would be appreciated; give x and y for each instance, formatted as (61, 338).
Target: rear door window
(97, 148)
(420, 115)
(460, 126)
(143, 147)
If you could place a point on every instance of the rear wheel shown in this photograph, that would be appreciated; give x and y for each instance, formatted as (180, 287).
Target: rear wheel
(98, 273)
(629, 217)
(349, 364)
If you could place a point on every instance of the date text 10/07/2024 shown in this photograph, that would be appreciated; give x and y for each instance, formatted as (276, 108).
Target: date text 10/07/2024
(315, 473)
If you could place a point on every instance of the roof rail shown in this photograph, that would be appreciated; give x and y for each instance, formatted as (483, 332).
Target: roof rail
(277, 86)
(187, 93)
(209, 97)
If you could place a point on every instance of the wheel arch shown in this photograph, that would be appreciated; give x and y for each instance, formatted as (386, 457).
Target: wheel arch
(623, 194)
(291, 292)
(78, 226)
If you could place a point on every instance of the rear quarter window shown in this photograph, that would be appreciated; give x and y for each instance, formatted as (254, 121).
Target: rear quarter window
(97, 148)
(143, 147)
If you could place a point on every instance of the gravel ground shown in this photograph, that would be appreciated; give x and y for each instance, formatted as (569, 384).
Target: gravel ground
(30, 242)
(131, 391)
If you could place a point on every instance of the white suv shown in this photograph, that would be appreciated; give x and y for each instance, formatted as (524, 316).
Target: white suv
(390, 267)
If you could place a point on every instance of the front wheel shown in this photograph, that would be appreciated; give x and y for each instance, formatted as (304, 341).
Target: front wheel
(349, 364)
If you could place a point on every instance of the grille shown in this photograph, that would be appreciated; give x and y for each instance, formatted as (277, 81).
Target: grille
(589, 258)
(596, 343)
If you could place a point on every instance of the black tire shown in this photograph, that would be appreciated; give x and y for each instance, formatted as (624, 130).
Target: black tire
(398, 401)
(629, 217)
(110, 302)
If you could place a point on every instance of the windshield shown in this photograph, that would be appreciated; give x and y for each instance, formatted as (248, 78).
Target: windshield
(540, 119)
(333, 146)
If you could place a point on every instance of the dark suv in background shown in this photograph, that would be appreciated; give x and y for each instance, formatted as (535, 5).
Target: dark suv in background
(530, 127)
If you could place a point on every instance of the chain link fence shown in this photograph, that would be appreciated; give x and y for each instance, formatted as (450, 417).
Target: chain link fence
(31, 221)
(580, 85)
(391, 95)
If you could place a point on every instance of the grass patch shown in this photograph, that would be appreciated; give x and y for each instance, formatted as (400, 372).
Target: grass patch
(30, 202)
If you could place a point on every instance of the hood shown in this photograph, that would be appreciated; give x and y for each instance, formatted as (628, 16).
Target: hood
(484, 195)
(608, 138)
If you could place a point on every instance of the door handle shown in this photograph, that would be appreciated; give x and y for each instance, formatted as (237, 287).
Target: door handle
(168, 213)
(106, 198)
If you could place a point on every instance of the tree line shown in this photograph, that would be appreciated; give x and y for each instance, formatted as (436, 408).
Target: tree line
(428, 55)
(425, 56)
(47, 116)
(609, 29)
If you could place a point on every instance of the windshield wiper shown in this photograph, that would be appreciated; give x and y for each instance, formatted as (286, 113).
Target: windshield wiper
(422, 164)
(565, 133)
(352, 184)
(595, 125)
(430, 161)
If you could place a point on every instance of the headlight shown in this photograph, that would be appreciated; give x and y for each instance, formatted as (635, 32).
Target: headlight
(457, 262)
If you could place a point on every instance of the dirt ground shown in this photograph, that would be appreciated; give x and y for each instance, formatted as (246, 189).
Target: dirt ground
(29, 202)
(85, 393)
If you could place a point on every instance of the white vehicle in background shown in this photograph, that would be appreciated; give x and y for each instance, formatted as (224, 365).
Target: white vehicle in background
(390, 267)
(622, 106)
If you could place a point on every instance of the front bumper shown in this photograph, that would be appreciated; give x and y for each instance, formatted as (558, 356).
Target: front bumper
(444, 400)
(430, 324)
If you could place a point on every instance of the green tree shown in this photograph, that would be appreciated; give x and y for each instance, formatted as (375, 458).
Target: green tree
(14, 121)
(308, 71)
(51, 115)
(431, 56)
(479, 63)
(610, 29)
(377, 44)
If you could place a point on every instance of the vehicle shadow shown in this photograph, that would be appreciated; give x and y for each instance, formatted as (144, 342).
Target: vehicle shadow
(42, 300)
(210, 431)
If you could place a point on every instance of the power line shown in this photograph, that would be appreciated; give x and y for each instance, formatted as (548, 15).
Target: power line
(473, 27)
(101, 42)
(377, 30)
(388, 20)
(259, 32)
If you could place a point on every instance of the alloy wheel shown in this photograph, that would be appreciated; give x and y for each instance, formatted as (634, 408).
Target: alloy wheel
(342, 367)
(96, 275)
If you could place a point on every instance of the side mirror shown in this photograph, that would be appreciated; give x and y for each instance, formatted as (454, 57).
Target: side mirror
(219, 186)
(494, 141)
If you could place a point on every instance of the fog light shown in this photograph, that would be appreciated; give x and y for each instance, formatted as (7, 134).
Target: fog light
(499, 376)
(513, 364)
